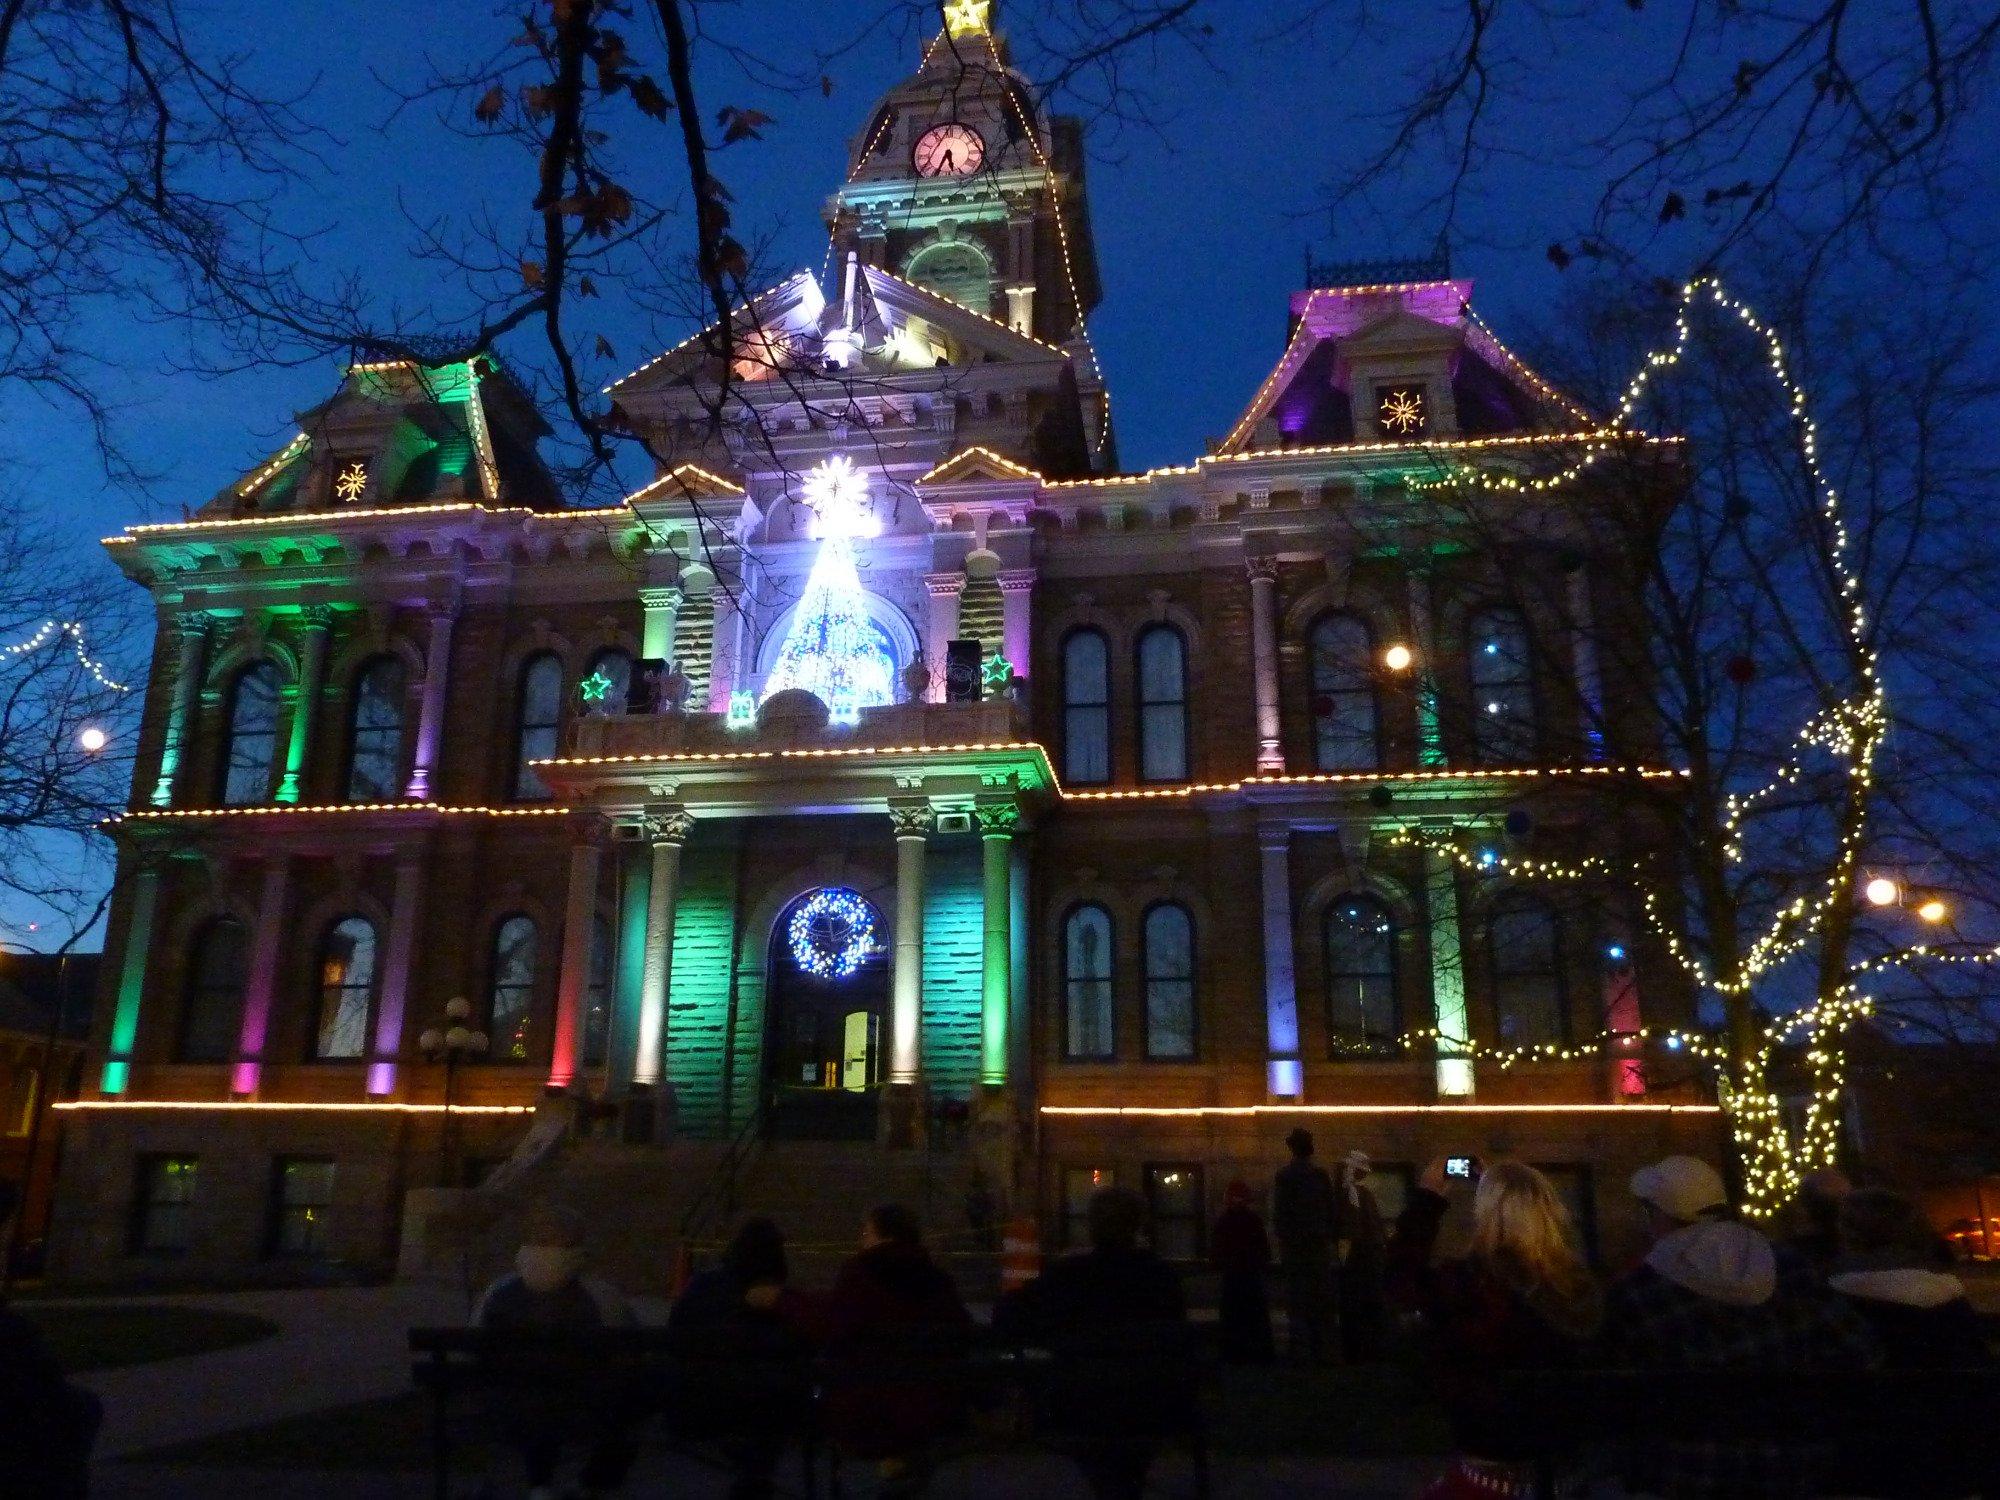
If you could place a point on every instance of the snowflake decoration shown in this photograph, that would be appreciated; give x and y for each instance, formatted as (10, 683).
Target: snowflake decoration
(831, 934)
(352, 481)
(837, 494)
(1403, 412)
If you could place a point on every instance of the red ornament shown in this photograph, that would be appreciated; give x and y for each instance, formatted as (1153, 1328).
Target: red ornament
(1740, 669)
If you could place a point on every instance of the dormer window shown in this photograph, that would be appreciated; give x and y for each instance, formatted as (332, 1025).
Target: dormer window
(1402, 410)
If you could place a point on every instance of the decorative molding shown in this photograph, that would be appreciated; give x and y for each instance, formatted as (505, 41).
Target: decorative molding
(997, 819)
(911, 820)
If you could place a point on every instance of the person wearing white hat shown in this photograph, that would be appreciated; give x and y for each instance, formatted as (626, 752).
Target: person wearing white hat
(1362, 1241)
(1708, 1296)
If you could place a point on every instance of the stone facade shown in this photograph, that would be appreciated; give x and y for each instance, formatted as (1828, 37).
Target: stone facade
(415, 730)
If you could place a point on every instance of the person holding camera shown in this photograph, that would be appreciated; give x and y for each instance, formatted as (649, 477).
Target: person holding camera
(1521, 1298)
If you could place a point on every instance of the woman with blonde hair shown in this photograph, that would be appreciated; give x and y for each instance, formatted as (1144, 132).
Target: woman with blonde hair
(1521, 1298)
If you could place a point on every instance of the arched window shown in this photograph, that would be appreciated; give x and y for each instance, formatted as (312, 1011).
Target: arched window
(347, 979)
(1086, 689)
(1503, 687)
(212, 995)
(1163, 719)
(1525, 937)
(597, 999)
(1361, 1012)
(1087, 1031)
(538, 729)
(375, 732)
(606, 681)
(250, 743)
(511, 1001)
(1343, 695)
(1168, 939)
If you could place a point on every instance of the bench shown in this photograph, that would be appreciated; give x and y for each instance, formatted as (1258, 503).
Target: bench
(452, 1363)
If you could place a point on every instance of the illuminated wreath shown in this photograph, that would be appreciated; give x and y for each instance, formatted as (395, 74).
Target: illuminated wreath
(831, 934)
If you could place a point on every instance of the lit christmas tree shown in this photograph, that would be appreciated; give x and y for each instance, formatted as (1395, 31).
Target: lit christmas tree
(833, 649)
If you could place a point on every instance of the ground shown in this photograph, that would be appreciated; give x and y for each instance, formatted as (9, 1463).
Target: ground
(322, 1406)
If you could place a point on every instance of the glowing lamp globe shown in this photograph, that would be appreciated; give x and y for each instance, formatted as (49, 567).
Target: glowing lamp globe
(457, 1038)
(1397, 658)
(432, 1040)
(1881, 891)
(457, 1008)
(93, 739)
(1933, 910)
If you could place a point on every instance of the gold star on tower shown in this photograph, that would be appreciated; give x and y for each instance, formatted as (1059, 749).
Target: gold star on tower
(968, 17)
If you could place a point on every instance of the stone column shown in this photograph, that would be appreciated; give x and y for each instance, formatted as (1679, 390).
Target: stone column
(1264, 653)
(316, 622)
(723, 648)
(1430, 735)
(663, 613)
(131, 982)
(430, 722)
(667, 829)
(996, 847)
(1017, 587)
(266, 946)
(1454, 1068)
(192, 627)
(573, 980)
(1286, 1070)
(912, 820)
(398, 960)
(1583, 659)
(940, 625)
(1021, 309)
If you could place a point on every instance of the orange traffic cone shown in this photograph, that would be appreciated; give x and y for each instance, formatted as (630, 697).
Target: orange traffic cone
(1020, 1254)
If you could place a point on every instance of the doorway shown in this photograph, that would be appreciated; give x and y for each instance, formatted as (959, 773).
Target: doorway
(826, 1027)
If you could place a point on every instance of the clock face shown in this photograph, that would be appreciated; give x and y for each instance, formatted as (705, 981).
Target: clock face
(949, 150)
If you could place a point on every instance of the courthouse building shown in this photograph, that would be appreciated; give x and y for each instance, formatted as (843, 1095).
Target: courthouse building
(892, 770)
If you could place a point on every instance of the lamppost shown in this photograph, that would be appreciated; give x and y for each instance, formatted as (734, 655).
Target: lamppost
(450, 1045)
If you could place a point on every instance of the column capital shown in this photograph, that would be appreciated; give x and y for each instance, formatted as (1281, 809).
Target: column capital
(662, 596)
(944, 585)
(1262, 568)
(586, 828)
(193, 624)
(998, 817)
(667, 825)
(911, 818)
(316, 617)
(1015, 580)
(1274, 838)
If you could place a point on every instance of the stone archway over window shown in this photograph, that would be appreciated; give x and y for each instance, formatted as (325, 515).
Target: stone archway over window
(956, 268)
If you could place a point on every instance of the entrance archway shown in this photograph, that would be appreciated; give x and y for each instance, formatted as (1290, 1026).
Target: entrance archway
(826, 1038)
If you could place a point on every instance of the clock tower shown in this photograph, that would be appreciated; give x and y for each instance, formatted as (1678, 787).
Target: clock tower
(962, 184)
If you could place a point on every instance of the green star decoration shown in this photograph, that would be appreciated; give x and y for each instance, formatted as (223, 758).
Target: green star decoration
(999, 672)
(595, 688)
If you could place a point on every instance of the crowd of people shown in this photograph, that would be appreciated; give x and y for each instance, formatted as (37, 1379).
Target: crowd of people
(876, 1365)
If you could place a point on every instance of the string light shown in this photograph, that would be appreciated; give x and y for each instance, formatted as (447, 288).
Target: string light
(71, 630)
(275, 1106)
(966, 457)
(1850, 730)
(1254, 1111)
(172, 814)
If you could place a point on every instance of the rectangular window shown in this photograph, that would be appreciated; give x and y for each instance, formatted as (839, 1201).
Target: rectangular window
(163, 1207)
(1079, 1185)
(1173, 1200)
(301, 1196)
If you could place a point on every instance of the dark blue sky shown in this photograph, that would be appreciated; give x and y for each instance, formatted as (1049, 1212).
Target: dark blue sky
(1201, 217)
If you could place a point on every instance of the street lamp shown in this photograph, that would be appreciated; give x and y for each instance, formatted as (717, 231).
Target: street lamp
(92, 739)
(1933, 910)
(1398, 658)
(451, 1044)
(1882, 891)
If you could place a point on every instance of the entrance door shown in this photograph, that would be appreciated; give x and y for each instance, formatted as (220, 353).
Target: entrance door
(828, 993)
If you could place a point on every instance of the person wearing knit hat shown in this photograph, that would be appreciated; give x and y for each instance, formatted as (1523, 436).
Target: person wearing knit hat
(1708, 1295)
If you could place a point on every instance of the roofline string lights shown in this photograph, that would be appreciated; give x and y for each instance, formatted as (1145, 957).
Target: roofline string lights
(1850, 731)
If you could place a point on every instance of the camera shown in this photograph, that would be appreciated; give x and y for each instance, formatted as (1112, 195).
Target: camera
(1460, 1167)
